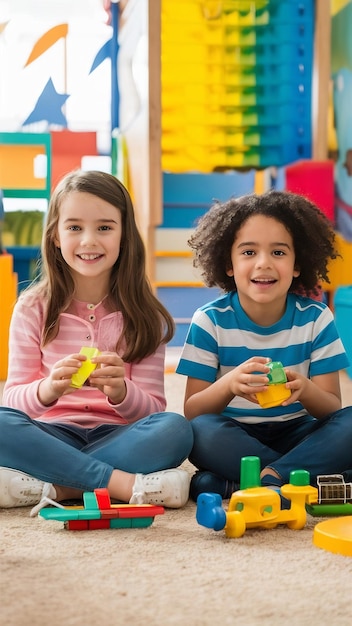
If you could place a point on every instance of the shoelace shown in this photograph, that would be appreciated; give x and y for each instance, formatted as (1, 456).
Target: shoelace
(44, 501)
(138, 497)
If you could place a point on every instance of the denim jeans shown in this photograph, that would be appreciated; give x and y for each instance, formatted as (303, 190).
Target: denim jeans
(320, 446)
(82, 458)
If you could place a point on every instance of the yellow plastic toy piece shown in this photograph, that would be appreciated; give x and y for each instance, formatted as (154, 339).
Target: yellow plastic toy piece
(79, 378)
(334, 535)
(260, 507)
(254, 506)
(273, 396)
(276, 393)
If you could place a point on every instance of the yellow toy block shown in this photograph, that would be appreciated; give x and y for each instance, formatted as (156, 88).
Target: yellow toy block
(276, 393)
(87, 367)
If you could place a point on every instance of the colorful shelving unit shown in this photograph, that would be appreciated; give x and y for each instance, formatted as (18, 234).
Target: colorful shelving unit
(25, 165)
(8, 283)
(236, 83)
(185, 198)
(25, 172)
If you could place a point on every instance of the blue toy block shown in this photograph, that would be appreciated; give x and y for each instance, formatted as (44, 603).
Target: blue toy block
(210, 512)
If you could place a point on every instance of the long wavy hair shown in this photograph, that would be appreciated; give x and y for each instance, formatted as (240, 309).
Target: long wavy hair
(147, 323)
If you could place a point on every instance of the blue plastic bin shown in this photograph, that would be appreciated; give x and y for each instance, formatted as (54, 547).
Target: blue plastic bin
(25, 260)
(343, 319)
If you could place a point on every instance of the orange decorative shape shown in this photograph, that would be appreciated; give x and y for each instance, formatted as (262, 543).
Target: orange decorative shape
(46, 41)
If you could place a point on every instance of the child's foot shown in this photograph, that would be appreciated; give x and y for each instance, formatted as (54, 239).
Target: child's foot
(19, 489)
(275, 483)
(169, 488)
(203, 482)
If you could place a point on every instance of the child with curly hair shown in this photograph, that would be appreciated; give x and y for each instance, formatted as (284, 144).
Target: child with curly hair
(265, 252)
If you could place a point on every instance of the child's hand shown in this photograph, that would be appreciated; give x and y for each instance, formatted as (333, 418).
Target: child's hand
(109, 376)
(297, 383)
(58, 383)
(249, 378)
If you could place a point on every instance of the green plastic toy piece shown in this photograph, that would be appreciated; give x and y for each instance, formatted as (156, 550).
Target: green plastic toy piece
(299, 478)
(250, 472)
(277, 373)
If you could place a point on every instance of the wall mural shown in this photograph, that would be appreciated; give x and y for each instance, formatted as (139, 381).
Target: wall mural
(50, 104)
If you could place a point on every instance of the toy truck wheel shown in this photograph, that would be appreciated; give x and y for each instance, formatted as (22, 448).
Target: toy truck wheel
(299, 522)
(235, 524)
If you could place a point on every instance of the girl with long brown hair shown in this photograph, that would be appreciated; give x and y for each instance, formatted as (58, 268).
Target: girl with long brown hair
(58, 440)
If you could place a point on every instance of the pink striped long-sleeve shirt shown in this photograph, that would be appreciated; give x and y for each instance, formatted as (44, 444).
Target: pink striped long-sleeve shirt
(81, 325)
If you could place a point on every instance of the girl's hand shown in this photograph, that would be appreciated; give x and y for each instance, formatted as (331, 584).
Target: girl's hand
(109, 376)
(58, 383)
(249, 378)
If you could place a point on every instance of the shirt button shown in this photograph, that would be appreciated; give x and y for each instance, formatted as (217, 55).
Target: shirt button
(90, 306)
(92, 318)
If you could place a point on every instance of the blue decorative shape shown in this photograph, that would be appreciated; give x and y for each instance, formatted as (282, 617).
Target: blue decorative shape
(102, 54)
(48, 107)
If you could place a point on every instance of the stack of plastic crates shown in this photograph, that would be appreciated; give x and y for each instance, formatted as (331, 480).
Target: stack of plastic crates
(236, 83)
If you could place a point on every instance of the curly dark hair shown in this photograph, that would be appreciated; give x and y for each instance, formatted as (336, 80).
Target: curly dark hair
(312, 234)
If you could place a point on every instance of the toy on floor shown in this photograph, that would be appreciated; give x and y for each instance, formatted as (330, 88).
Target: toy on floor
(98, 512)
(79, 378)
(334, 497)
(254, 506)
(334, 535)
(276, 393)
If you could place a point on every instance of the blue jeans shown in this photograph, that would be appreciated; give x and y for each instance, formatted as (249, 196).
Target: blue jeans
(321, 446)
(84, 458)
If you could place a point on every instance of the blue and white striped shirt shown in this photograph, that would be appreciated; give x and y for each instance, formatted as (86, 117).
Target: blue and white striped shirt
(221, 336)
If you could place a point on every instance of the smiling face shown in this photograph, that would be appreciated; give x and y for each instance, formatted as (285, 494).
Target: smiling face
(89, 235)
(263, 266)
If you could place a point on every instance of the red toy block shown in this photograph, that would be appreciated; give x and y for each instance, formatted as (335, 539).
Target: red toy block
(315, 181)
(124, 511)
(94, 524)
(103, 498)
(79, 524)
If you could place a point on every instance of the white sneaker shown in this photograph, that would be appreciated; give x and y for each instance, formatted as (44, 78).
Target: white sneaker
(19, 489)
(169, 488)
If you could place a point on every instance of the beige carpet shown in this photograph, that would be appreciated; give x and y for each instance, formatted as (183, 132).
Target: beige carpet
(173, 573)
